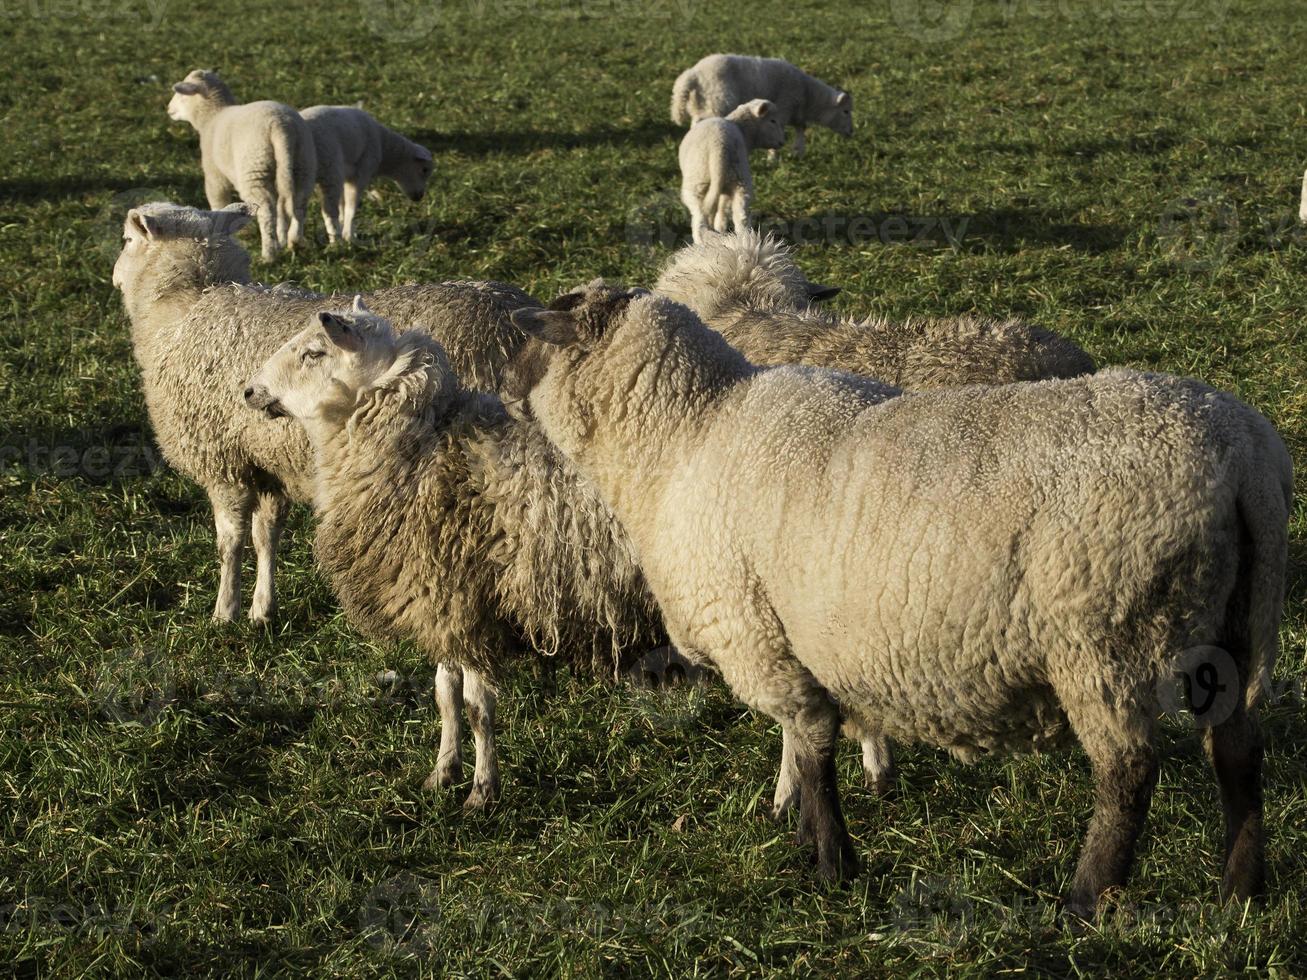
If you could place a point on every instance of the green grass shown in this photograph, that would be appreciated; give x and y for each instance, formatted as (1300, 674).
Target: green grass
(185, 798)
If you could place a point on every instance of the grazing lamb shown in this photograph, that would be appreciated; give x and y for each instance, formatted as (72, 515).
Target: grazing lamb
(353, 148)
(981, 568)
(714, 158)
(260, 152)
(199, 330)
(443, 520)
(749, 289)
(720, 82)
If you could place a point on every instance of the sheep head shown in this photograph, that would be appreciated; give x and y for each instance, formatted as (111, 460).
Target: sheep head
(838, 114)
(761, 124)
(197, 96)
(197, 245)
(343, 362)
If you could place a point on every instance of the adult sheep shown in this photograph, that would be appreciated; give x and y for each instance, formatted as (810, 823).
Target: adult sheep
(749, 289)
(715, 85)
(443, 520)
(984, 569)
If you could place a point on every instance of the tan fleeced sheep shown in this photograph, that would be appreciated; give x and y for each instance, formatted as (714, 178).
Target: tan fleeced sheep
(982, 568)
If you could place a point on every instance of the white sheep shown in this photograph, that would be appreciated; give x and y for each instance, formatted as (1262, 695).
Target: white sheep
(981, 568)
(714, 158)
(749, 289)
(259, 152)
(353, 149)
(200, 328)
(718, 83)
(443, 520)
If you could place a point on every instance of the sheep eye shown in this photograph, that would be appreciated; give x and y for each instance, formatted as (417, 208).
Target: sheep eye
(313, 355)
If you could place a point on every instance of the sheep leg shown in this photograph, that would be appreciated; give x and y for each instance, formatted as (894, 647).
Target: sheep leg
(232, 505)
(268, 216)
(218, 190)
(1118, 740)
(269, 519)
(331, 210)
(693, 199)
(1302, 205)
(1235, 750)
(449, 699)
(769, 678)
(481, 700)
(351, 205)
(721, 215)
(787, 782)
(283, 222)
(878, 767)
(740, 201)
(800, 140)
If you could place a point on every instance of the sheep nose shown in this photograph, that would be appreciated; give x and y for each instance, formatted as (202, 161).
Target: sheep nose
(249, 393)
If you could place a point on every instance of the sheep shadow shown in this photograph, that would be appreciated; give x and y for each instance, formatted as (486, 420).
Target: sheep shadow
(29, 190)
(105, 455)
(515, 141)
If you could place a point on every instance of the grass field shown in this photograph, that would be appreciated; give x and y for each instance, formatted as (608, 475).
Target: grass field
(186, 798)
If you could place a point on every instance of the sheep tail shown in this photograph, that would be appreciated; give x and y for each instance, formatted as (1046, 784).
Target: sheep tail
(284, 155)
(686, 86)
(1264, 515)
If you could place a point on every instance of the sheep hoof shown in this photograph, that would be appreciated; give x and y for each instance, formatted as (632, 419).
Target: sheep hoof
(482, 795)
(443, 776)
(837, 860)
(880, 783)
(1078, 908)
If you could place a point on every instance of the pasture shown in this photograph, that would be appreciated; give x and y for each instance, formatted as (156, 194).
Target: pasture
(181, 797)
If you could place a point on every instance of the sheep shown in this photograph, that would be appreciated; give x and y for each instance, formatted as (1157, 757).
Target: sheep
(748, 288)
(200, 327)
(981, 568)
(442, 519)
(352, 149)
(714, 158)
(260, 152)
(718, 83)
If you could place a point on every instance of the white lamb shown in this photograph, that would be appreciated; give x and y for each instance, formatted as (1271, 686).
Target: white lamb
(981, 568)
(720, 82)
(353, 149)
(259, 152)
(714, 157)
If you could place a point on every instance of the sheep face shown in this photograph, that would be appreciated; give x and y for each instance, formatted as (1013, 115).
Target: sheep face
(762, 123)
(547, 376)
(839, 114)
(197, 88)
(152, 229)
(413, 175)
(319, 373)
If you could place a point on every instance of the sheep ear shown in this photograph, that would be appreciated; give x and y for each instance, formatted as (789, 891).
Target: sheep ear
(358, 306)
(187, 88)
(144, 223)
(557, 327)
(843, 99)
(818, 293)
(341, 333)
(422, 153)
(762, 108)
(233, 217)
